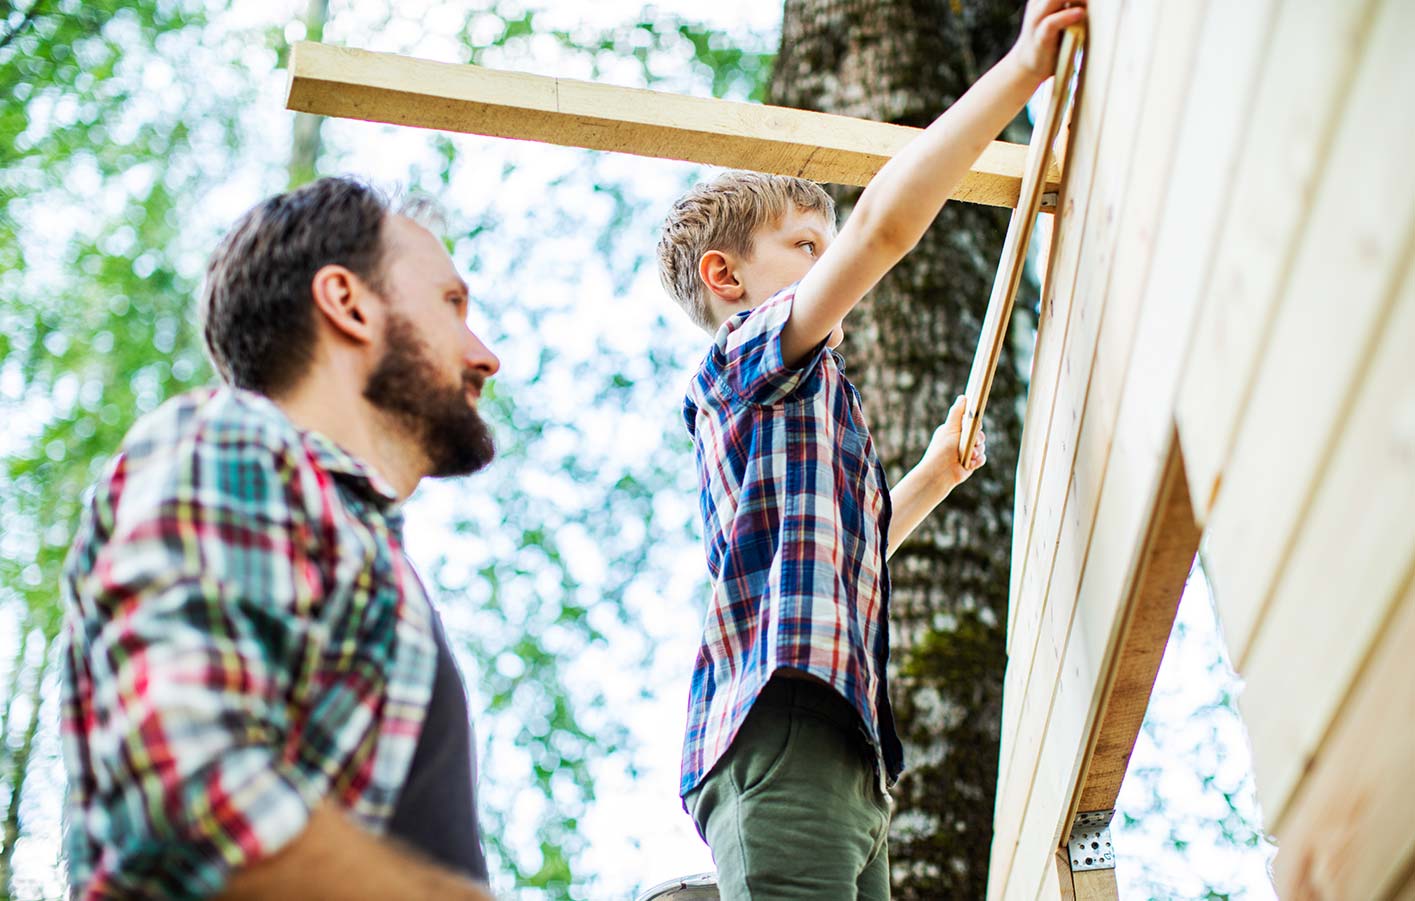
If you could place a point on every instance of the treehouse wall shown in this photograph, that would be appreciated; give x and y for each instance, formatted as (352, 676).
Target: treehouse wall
(1226, 347)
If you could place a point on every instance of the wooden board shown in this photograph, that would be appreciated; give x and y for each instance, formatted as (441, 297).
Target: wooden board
(1051, 336)
(383, 87)
(1334, 597)
(1094, 885)
(1311, 59)
(1351, 833)
(1118, 138)
(1154, 362)
(1057, 885)
(1338, 293)
(1054, 316)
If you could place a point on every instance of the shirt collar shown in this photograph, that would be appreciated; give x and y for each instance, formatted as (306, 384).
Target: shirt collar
(331, 457)
(350, 469)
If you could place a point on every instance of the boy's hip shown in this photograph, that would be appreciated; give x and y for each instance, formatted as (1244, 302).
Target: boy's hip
(803, 746)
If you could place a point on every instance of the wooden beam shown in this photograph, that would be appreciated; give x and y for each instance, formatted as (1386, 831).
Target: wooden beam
(1057, 885)
(1169, 553)
(384, 87)
(1095, 885)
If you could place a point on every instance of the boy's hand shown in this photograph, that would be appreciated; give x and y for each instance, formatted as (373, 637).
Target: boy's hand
(1043, 21)
(941, 458)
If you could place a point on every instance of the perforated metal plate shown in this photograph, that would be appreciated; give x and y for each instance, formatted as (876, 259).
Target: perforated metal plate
(1089, 847)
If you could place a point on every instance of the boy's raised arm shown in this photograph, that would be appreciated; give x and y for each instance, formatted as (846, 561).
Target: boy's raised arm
(905, 196)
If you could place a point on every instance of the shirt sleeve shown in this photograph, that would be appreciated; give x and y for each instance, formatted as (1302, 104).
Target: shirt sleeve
(197, 640)
(747, 350)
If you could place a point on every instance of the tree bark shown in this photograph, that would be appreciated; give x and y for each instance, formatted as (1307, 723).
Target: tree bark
(910, 346)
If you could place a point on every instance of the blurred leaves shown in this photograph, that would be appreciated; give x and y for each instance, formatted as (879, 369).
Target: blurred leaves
(125, 131)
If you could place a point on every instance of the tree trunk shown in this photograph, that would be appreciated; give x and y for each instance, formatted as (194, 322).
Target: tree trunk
(911, 345)
(19, 765)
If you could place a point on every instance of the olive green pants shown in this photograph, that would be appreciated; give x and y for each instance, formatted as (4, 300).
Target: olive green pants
(794, 810)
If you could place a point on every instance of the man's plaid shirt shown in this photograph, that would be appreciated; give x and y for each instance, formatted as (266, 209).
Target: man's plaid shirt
(244, 639)
(795, 513)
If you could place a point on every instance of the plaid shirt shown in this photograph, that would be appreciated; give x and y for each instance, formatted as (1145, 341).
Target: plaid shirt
(795, 512)
(244, 639)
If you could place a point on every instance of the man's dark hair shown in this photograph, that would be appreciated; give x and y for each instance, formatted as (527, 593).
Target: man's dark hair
(256, 309)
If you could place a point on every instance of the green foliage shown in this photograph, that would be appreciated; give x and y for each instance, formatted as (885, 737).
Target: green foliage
(117, 174)
(93, 290)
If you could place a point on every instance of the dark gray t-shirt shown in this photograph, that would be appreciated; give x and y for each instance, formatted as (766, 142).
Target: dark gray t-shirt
(437, 811)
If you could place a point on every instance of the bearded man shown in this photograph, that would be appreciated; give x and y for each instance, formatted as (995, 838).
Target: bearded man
(258, 699)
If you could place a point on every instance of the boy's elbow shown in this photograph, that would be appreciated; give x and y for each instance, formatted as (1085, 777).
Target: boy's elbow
(885, 235)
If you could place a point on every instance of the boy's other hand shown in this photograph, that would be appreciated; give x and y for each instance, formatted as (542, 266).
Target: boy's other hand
(941, 458)
(1043, 21)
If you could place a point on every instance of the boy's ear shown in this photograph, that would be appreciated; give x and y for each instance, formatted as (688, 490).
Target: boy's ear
(342, 300)
(717, 271)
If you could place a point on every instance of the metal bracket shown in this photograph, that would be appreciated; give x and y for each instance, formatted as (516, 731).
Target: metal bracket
(1049, 199)
(1089, 846)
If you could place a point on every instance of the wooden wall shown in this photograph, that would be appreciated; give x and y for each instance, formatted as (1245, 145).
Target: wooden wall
(1226, 353)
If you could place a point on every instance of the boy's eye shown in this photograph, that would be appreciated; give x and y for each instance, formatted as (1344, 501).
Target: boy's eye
(810, 247)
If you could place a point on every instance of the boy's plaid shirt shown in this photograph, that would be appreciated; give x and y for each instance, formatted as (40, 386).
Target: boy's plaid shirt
(244, 639)
(795, 516)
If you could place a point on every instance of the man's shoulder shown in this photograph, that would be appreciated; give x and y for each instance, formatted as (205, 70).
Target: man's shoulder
(201, 445)
(221, 421)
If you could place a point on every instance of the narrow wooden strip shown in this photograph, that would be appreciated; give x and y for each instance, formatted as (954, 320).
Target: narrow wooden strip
(384, 87)
(1057, 884)
(1014, 247)
(1335, 299)
(1315, 48)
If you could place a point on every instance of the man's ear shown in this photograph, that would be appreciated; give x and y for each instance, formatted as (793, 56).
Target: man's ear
(343, 298)
(718, 272)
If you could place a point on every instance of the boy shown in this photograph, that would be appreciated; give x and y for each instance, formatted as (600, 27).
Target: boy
(790, 741)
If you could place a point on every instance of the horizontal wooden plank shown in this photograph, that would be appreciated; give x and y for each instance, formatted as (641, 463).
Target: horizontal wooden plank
(1335, 593)
(1079, 366)
(1351, 834)
(1083, 144)
(1338, 294)
(1312, 56)
(1119, 137)
(1191, 195)
(383, 87)
(1058, 289)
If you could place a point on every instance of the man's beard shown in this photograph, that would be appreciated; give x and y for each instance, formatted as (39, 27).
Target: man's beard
(408, 385)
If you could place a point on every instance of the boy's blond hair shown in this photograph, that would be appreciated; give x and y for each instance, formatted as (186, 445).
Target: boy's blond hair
(725, 214)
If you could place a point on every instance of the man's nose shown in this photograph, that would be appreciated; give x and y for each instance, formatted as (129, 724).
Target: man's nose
(479, 357)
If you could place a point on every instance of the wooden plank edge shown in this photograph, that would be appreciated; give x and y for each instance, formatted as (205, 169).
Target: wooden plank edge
(400, 90)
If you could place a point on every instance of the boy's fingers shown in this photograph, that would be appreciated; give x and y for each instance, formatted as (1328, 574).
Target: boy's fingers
(1058, 22)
